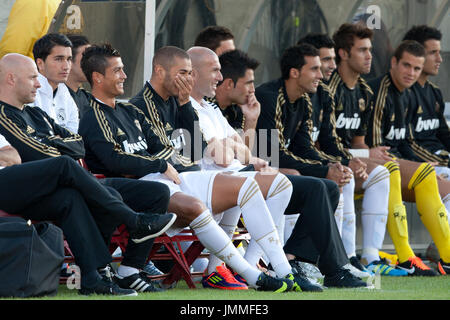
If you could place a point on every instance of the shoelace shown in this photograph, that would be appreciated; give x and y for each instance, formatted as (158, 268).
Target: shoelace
(107, 272)
(416, 261)
(383, 261)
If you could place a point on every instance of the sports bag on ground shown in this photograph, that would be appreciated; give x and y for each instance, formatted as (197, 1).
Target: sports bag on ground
(30, 258)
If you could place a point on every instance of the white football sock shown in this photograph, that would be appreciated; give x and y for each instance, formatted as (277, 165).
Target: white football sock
(374, 213)
(228, 223)
(349, 221)
(339, 213)
(277, 200)
(218, 243)
(126, 271)
(260, 225)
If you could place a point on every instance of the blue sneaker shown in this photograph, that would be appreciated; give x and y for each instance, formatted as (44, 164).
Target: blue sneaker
(152, 270)
(383, 268)
(222, 279)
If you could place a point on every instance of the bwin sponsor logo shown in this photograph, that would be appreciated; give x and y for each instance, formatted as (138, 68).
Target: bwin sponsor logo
(396, 134)
(348, 123)
(430, 124)
(135, 146)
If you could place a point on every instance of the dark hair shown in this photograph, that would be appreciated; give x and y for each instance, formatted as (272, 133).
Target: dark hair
(211, 36)
(423, 33)
(344, 37)
(95, 59)
(411, 46)
(43, 46)
(77, 41)
(235, 63)
(165, 56)
(294, 57)
(318, 40)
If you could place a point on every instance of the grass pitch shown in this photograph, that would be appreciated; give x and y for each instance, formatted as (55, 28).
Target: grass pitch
(390, 288)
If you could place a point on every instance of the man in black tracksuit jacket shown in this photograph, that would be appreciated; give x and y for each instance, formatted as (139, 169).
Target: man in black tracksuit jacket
(389, 126)
(426, 115)
(429, 126)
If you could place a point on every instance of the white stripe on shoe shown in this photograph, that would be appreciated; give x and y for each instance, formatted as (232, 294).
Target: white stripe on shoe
(139, 285)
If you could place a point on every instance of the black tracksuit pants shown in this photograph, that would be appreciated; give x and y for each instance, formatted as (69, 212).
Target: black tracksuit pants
(59, 189)
(315, 237)
(141, 196)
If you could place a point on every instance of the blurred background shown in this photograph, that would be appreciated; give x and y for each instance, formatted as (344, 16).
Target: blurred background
(263, 28)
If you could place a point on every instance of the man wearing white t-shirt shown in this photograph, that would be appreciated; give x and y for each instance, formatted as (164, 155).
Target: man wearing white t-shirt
(53, 57)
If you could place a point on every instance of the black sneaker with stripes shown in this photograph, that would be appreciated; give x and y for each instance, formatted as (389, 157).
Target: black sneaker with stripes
(138, 282)
(106, 287)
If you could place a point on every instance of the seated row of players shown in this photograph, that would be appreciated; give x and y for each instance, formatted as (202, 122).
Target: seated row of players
(36, 135)
(327, 126)
(338, 117)
(116, 141)
(313, 120)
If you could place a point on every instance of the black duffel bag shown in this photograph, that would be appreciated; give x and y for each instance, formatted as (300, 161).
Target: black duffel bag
(30, 258)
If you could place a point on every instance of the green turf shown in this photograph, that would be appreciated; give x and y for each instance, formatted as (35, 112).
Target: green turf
(404, 288)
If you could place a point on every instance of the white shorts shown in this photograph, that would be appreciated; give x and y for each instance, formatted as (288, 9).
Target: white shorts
(197, 184)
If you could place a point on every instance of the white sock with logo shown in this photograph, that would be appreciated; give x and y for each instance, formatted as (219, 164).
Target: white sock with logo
(374, 213)
(277, 200)
(228, 223)
(349, 221)
(339, 213)
(260, 225)
(218, 243)
(289, 223)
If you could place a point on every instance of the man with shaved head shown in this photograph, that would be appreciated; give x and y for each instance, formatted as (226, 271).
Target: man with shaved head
(19, 84)
(16, 67)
